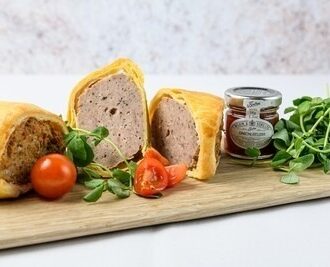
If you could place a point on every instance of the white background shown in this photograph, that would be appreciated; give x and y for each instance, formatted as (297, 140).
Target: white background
(166, 36)
(291, 235)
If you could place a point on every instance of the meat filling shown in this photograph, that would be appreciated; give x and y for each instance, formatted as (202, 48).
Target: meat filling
(115, 103)
(31, 140)
(174, 132)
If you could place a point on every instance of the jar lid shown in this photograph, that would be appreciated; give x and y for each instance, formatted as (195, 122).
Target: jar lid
(238, 95)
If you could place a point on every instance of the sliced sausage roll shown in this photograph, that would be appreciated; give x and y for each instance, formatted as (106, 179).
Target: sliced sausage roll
(113, 97)
(27, 133)
(186, 128)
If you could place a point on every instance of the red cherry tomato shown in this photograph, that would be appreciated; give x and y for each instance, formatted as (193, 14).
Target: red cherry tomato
(153, 153)
(176, 173)
(53, 176)
(150, 177)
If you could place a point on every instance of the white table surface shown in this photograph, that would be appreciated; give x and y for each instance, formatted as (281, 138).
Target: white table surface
(290, 235)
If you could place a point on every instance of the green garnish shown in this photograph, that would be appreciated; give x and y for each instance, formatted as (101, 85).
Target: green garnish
(254, 153)
(302, 141)
(97, 177)
(290, 178)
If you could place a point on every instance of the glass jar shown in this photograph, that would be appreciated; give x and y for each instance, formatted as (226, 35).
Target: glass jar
(249, 120)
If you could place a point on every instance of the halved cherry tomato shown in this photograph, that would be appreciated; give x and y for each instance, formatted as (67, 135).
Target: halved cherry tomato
(153, 153)
(176, 173)
(53, 175)
(150, 177)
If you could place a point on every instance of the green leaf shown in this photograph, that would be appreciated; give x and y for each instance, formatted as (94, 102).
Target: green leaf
(77, 148)
(99, 134)
(91, 173)
(87, 174)
(279, 144)
(316, 100)
(325, 162)
(132, 167)
(299, 133)
(115, 183)
(298, 148)
(290, 178)
(326, 165)
(309, 116)
(308, 126)
(298, 101)
(89, 156)
(295, 118)
(319, 114)
(119, 189)
(252, 152)
(326, 100)
(304, 107)
(91, 184)
(325, 123)
(301, 163)
(80, 151)
(282, 135)
(69, 154)
(321, 156)
(319, 142)
(291, 125)
(122, 176)
(95, 194)
(289, 109)
(82, 178)
(295, 153)
(280, 158)
(279, 125)
(69, 136)
(298, 143)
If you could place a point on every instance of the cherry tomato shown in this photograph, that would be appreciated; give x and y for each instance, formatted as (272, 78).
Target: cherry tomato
(153, 153)
(150, 177)
(53, 175)
(176, 173)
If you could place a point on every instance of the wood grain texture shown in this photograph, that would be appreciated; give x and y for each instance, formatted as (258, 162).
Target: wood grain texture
(235, 188)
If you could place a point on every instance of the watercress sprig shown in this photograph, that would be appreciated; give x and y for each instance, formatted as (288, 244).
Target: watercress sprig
(302, 141)
(95, 176)
(254, 153)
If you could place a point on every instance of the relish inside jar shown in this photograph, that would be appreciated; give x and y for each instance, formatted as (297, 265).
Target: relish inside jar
(249, 120)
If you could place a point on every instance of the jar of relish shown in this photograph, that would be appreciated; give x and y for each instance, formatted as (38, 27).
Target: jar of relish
(249, 120)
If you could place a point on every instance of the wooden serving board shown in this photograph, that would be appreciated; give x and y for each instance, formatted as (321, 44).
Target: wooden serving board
(235, 188)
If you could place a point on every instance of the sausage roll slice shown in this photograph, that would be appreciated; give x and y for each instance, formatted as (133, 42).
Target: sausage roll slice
(27, 133)
(113, 97)
(186, 128)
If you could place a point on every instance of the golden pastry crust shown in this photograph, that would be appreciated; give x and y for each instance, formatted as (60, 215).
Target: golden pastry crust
(207, 112)
(11, 116)
(8, 190)
(122, 65)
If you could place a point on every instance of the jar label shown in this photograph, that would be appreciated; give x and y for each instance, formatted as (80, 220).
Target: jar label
(256, 104)
(251, 132)
(253, 107)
